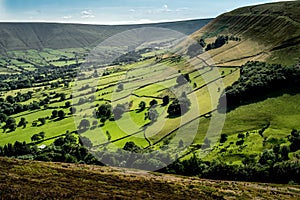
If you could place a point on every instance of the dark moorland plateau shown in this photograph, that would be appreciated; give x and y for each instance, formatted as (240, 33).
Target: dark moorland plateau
(58, 119)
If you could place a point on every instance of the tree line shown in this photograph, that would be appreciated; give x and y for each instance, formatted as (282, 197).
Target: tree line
(258, 79)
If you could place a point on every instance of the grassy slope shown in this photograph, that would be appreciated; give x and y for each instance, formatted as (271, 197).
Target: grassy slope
(269, 32)
(38, 180)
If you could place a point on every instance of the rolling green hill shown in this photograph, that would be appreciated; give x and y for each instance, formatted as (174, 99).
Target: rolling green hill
(28, 36)
(268, 32)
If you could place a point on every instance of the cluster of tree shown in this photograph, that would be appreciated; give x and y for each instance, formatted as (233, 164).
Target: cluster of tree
(11, 104)
(133, 156)
(129, 57)
(279, 172)
(196, 48)
(10, 123)
(37, 137)
(118, 111)
(271, 166)
(179, 106)
(63, 149)
(104, 112)
(18, 98)
(294, 138)
(60, 114)
(220, 41)
(41, 75)
(183, 79)
(258, 79)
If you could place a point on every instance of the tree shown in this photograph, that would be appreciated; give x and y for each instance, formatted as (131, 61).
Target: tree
(174, 108)
(108, 135)
(35, 137)
(54, 114)
(62, 97)
(104, 111)
(95, 123)
(142, 106)
(72, 110)
(61, 114)
(12, 127)
(22, 122)
(10, 99)
(153, 103)
(240, 142)
(120, 87)
(284, 151)
(267, 157)
(131, 146)
(67, 104)
(118, 111)
(3, 117)
(183, 79)
(206, 143)
(223, 138)
(42, 120)
(179, 106)
(180, 144)
(42, 135)
(86, 142)
(152, 115)
(85, 124)
(294, 138)
(241, 136)
(10, 120)
(10, 124)
(34, 123)
(166, 100)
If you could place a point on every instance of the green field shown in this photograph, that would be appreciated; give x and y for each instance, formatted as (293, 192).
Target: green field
(148, 80)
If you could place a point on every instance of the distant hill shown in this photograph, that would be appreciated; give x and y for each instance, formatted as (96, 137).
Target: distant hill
(24, 36)
(38, 180)
(268, 32)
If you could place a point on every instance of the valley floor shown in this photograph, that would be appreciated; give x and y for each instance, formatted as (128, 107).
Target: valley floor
(39, 180)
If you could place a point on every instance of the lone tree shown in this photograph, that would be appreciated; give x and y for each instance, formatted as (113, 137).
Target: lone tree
(131, 146)
(166, 100)
(153, 103)
(85, 124)
(37, 137)
(72, 110)
(142, 105)
(104, 111)
(42, 120)
(118, 111)
(223, 138)
(86, 142)
(152, 115)
(61, 114)
(120, 87)
(183, 79)
(67, 104)
(179, 106)
(54, 114)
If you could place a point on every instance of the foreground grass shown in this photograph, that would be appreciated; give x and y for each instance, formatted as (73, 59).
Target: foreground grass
(38, 180)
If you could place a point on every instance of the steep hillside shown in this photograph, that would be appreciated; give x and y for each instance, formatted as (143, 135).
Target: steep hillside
(24, 36)
(268, 32)
(38, 180)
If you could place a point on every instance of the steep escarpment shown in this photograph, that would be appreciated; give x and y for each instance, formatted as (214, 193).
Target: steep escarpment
(268, 32)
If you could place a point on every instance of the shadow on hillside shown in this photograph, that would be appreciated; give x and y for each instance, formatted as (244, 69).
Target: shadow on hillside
(276, 93)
